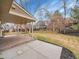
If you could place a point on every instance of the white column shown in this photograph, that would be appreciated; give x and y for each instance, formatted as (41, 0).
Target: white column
(29, 27)
(17, 28)
(1, 33)
(32, 27)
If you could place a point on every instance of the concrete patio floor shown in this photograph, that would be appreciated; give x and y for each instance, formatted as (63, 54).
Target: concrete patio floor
(32, 50)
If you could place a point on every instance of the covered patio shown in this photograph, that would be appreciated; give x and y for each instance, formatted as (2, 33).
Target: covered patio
(14, 13)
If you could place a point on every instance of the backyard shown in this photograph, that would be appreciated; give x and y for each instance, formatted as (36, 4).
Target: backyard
(51, 21)
(68, 41)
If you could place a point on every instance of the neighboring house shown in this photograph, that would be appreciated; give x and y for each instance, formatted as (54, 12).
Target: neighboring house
(40, 25)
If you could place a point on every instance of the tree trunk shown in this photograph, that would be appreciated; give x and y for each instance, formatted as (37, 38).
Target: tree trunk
(64, 2)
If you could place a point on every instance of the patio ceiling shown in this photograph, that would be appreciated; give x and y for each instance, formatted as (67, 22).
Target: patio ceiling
(11, 12)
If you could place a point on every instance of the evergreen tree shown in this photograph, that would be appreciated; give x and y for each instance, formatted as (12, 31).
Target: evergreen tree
(75, 13)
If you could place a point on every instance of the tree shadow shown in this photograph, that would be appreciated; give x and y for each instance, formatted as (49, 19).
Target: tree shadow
(73, 34)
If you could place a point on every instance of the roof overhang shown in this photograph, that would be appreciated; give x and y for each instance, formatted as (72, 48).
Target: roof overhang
(11, 12)
(17, 10)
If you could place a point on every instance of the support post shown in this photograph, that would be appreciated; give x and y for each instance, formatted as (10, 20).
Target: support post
(29, 28)
(32, 27)
(1, 32)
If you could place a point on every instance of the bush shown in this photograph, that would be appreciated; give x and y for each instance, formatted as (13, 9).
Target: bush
(75, 27)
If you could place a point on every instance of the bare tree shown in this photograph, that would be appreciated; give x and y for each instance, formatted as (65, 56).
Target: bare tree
(57, 22)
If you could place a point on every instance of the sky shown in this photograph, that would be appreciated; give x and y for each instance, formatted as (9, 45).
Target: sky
(34, 7)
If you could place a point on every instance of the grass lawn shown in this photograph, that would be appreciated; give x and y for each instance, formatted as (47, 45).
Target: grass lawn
(67, 41)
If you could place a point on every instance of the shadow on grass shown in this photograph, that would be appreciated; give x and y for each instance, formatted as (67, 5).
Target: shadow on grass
(73, 34)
